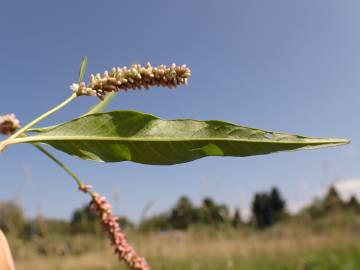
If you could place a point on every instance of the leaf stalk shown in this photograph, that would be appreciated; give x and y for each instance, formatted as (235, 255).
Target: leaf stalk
(22, 130)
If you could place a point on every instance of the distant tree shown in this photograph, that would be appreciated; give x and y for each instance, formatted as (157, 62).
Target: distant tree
(277, 204)
(125, 222)
(214, 214)
(236, 220)
(224, 213)
(267, 208)
(41, 226)
(155, 223)
(84, 220)
(315, 209)
(261, 208)
(332, 199)
(332, 194)
(329, 203)
(182, 215)
(209, 210)
(353, 204)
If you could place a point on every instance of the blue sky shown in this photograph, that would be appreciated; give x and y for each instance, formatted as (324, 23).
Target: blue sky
(288, 66)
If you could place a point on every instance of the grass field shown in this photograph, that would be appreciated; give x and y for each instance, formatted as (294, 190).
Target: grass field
(277, 248)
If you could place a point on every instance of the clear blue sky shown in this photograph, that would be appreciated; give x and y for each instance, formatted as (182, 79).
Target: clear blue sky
(289, 66)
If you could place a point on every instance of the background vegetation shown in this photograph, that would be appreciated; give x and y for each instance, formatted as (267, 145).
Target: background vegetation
(324, 235)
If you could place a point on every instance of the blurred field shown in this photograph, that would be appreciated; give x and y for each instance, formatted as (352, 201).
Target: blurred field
(277, 248)
(323, 236)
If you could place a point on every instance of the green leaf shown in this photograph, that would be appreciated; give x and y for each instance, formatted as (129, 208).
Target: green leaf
(98, 108)
(82, 68)
(144, 138)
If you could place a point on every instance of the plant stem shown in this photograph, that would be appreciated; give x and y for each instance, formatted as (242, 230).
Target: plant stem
(17, 134)
(42, 117)
(62, 165)
(79, 183)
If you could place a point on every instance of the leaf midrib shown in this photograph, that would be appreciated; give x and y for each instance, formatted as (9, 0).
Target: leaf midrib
(164, 139)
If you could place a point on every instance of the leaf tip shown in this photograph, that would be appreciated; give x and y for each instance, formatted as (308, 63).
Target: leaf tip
(339, 141)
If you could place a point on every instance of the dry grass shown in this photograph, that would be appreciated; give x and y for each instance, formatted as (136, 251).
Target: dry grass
(205, 250)
(221, 246)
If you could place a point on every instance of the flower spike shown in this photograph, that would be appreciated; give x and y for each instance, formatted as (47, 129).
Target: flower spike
(135, 77)
(111, 225)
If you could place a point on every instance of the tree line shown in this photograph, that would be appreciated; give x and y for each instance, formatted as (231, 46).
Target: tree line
(267, 209)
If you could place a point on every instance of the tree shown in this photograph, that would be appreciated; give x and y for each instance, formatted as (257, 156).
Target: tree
(42, 227)
(155, 223)
(182, 215)
(261, 208)
(332, 199)
(84, 220)
(214, 214)
(268, 208)
(277, 204)
(236, 220)
(353, 204)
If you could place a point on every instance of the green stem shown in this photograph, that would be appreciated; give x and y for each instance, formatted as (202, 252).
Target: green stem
(42, 117)
(20, 132)
(79, 183)
(58, 162)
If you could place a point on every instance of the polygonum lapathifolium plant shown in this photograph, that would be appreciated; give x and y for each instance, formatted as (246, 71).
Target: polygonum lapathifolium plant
(143, 138)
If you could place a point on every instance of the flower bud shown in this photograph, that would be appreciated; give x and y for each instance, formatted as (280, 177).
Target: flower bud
(8, 124)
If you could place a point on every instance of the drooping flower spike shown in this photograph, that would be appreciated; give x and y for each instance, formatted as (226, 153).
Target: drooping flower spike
(8, 124)
(111, 225)
(135, 77)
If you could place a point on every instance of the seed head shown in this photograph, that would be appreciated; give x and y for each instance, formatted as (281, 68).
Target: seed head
(111, 225)
(8, 124)
(135, 77)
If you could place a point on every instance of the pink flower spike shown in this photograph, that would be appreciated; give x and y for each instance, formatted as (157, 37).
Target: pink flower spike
(123, 249)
